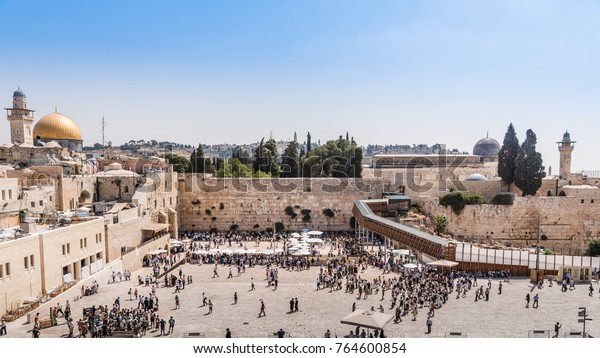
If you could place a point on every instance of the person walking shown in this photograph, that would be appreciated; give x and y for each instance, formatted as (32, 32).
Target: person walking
(591, 290)
(296, 305)
(210, 307)
(163, 324)
(536, 299)
(230, 274)
(176, 301)
(171, 324)
(429, 324)
(235, 298)
(215, 273)
(292, 305)
(262, 309)
(557, 328)
(252, 284)
(527, 299)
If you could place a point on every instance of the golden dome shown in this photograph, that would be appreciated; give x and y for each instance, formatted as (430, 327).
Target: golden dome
(56, 126)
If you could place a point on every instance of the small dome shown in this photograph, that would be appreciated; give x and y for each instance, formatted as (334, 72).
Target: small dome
(566, 137)
(486, 147)
(476, 177)
(19, 93)
(56, 126)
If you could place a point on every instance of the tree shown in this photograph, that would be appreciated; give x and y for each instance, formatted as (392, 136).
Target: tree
(199, 164)
(180, 164)
(265, 158)
(594, 248)
(529, 170)
(507, 156)
(440, 223)
(290, 167)
(233, 168)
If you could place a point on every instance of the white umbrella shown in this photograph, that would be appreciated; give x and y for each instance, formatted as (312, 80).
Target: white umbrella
(174, 242)
(301, 253)
(295, 234)
(368, 319)
(315, 232)
(315, 241)
(410, 266)
(401, 252)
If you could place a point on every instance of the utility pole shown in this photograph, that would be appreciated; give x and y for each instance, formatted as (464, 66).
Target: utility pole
(583, 313)
(103, 123)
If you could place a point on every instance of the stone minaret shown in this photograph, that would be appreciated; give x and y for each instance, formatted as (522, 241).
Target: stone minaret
(20, 119)
(565, 147)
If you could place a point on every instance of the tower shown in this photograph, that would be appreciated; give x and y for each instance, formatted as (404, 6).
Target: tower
(565, 147)
(20, 119)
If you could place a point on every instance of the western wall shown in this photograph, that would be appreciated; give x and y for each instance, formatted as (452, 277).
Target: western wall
(257, 204)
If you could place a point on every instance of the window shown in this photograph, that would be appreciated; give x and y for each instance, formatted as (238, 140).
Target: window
(3, 194)
(85, 242)
(592, 201)
(33, 204)
(81, 243)
(68, 248)
(26, 262)
(100, 237)
(1, 271)
(582, 201)
(170, 200)
(41, 203)
(64, 249)
(9, 194)
(31, 262)
(50, 198)
(7, 268)
(126, 189)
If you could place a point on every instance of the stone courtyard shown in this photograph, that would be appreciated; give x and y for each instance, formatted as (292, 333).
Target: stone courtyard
(503, 316)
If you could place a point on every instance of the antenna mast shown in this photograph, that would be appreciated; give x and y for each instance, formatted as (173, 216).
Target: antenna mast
(103, 139)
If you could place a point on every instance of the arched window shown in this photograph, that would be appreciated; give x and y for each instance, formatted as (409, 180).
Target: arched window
(562, 193)
(549, 193)
(126, 189)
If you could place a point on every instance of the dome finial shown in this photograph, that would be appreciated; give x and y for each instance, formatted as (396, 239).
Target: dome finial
(55, 109)
(487, 134)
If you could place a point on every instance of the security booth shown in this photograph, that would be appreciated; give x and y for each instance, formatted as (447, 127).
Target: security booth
(577, 273)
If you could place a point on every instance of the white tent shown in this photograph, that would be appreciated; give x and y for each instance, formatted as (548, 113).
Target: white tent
(315, 233)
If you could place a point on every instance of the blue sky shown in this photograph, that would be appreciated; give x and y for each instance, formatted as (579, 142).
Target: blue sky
(405, 72)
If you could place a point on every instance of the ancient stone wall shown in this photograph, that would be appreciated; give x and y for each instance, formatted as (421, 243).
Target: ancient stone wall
(567, 223)
(256, 205)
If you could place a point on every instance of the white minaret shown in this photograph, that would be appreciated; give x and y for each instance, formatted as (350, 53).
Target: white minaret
(565, 147)
(20, 119)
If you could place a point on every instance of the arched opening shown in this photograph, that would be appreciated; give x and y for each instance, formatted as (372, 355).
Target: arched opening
(562, 193)
(126, 189)
(549, 193)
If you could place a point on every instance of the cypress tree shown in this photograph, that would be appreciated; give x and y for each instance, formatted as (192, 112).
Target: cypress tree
(507, 156)
(529, 170)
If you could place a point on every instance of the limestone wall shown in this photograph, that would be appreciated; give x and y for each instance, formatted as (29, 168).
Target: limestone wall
(124, 233)
(566, 223)
(209, 203)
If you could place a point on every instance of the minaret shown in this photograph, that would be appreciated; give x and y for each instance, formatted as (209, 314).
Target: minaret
(565, 147)
(295, 137)
(20, 119)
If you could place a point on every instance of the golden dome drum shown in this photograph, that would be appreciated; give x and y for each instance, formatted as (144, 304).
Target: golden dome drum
(56, 126)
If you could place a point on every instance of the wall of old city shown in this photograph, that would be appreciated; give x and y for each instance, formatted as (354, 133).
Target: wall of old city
(123, 230)
(209, 203)
(567, 223)
(36, 261)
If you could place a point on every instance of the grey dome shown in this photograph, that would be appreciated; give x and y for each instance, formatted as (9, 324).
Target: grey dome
(19, 93)
(476, 177)
(486, 147)
(566, 137)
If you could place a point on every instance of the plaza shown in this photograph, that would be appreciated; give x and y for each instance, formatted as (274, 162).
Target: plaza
(503, 316)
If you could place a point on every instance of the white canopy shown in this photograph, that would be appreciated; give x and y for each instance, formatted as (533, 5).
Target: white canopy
(315, 232)
(295, 234)
(227, 251)
(368, 319)
(315, 241)
(410, 266)
(403, 252)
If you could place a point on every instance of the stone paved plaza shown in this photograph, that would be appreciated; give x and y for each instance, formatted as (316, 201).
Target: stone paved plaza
(502, 316)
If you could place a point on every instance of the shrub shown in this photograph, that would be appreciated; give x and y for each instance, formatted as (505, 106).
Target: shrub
(306, 218)
(503, 199)
(305, 211)
(233, 227)
(207, 212)
(352, 222)
(85, 194)
(457, 200)
(289, 211)
(329, 213)
(256, 226)
(221, 206)
(214, 218)
(279, 226)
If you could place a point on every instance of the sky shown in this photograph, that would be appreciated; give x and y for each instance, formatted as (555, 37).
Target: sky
(387, 72)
